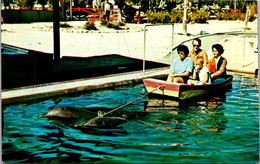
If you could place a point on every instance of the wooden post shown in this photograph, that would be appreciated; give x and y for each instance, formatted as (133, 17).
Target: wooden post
(144, 49)
(246, 18)
(171, 59)
(184, 20)
(245, 28)
(139, 15)
(71, 10)
(119, 18)
(56, 32)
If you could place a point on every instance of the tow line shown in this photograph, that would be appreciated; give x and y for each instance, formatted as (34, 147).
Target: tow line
(101, 115)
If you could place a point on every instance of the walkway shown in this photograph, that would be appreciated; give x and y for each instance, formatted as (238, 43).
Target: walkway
(66, 87)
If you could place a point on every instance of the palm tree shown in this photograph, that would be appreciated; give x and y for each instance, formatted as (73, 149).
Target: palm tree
(7, 3)
(43, 3)
(184, 21)
(26, 3)
(30, 4)
(120, 4)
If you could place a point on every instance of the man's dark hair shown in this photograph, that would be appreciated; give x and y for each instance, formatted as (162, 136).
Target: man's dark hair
(198, 40)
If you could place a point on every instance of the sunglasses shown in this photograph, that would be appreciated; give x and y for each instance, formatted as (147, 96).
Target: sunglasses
(194, 45)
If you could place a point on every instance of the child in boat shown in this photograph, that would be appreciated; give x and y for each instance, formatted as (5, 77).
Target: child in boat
(200, 74)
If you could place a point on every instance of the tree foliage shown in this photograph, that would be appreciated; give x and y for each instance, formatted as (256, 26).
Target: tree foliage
(26, 3)
(30, 3)
(159, 5)
(43, 3)
(7, 2)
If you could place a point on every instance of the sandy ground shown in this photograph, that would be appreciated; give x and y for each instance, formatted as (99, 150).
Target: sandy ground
(130, 42)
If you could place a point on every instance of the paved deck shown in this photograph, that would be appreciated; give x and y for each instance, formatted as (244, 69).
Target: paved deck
(65, 87)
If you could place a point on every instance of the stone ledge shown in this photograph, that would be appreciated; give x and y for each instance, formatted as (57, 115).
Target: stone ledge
(66, 87)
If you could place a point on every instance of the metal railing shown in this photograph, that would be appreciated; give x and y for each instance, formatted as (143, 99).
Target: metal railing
(145, 29)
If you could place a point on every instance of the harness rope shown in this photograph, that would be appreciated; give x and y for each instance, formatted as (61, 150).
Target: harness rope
(102, 115)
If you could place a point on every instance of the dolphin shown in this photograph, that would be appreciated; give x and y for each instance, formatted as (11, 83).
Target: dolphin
(105, 122)
(68, 112)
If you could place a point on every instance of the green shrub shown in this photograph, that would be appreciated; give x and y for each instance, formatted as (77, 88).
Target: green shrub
(151, 17)
(242, 16)
(114, 26)
(174, 16)
(90, 26)
(227, 16)
(103, 22)
(121, 23)
(234, 16)
(65, 25)
(219, 16)
(252, 17)
(199, 16)
(163, 17)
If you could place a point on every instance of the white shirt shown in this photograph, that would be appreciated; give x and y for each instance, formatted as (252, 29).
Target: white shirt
(107, 7)
(216, 61)
(202, 73)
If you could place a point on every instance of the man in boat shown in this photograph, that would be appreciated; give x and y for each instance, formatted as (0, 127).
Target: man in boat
(181, 67)
(217, 65)
(197, 53)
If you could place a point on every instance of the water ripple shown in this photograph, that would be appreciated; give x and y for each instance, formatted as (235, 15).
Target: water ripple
(222, 129)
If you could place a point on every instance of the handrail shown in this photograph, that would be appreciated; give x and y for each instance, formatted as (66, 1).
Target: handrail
(145, 42)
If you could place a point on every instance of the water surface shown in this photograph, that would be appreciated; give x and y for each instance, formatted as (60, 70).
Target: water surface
(216, 129)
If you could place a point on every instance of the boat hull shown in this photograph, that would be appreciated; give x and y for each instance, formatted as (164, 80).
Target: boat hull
(184, 91)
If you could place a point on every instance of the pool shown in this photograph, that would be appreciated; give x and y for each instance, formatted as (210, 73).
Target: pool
(11, 50)
(219, 129)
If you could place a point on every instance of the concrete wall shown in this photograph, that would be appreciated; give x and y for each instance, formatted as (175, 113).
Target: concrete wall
(21, 16)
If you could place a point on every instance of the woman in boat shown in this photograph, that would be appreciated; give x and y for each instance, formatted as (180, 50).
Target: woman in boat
(181, 67)
(200, 74)
(217, 65)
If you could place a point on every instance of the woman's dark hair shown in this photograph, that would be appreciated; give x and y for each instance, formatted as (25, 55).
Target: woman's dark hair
(183, 48)
(219, 48)
(198, 40)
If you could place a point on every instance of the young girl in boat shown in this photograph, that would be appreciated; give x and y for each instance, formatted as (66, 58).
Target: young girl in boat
(200, 74)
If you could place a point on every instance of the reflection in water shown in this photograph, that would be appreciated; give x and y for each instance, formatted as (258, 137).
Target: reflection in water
(195, 115)
(217, 129)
